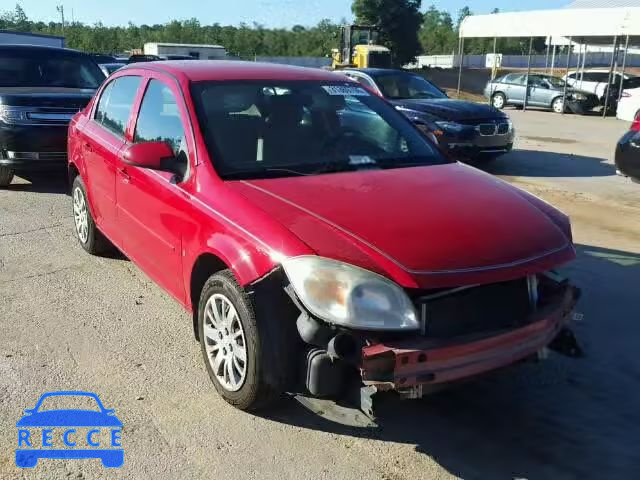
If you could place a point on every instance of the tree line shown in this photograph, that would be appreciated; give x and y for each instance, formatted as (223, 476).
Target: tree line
(406, 29)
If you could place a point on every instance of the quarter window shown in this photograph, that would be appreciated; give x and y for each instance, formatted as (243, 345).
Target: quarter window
(116, 102)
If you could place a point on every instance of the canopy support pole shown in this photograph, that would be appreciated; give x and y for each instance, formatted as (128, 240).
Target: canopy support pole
(553, 60)
(546, 58)
(526, 90)
(494, 69)
(608, 88)
(624, 64)
(460, 61)
(566, 76)
(584, 57)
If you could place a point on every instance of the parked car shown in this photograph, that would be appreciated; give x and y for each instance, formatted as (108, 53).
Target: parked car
(629, 104)
(308, 244)
(41, 88)
(628, 152)
(545, 91)
(469, 131)
(109, 68)
(595, 80)
(138, 58)
(103, 58)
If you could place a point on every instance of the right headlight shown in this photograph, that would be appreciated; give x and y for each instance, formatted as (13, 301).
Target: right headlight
(350, 296)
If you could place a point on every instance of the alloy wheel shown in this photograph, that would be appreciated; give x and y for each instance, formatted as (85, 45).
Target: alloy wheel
(81, 215)
(225, 342)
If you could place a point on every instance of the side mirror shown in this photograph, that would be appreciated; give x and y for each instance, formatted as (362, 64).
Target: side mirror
(152, 155)
(29, 410)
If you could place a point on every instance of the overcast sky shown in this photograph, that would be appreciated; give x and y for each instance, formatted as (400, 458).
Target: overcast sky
(271, 13)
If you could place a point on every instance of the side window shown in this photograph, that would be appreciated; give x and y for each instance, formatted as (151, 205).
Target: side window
(159, 120)
(516, 79)
(572, 76)
(116, 103)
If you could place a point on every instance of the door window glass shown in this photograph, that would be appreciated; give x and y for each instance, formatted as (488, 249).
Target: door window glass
(116, 102)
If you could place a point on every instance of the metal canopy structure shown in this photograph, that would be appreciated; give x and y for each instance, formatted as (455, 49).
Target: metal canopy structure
(612, 26)
(571, 22)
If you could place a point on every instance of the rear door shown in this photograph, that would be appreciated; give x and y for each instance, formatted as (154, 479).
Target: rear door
(515, 88)
(151, 207)
(103, 138)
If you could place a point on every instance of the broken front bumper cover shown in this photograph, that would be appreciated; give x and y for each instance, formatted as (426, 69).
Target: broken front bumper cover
(424, 361)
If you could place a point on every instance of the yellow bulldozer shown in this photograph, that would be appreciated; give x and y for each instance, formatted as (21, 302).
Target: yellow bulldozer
(359, 49)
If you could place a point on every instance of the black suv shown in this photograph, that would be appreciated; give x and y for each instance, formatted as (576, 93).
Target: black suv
(41, 88)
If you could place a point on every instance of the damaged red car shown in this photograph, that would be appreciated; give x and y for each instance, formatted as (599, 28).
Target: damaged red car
(321, 243)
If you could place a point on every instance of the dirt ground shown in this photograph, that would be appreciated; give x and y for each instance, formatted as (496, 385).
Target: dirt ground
(72, 321)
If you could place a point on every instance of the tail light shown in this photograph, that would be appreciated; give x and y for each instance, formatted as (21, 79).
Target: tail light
(635, 126)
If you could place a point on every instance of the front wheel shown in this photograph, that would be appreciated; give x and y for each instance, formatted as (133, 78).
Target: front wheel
(239, 350)
(498, 100)
(6, 176)
(558, 105)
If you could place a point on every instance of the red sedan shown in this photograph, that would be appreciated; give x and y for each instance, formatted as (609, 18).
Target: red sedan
(322, 244)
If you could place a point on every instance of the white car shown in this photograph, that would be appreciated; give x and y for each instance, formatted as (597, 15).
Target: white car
(629, 104)
(594, 81)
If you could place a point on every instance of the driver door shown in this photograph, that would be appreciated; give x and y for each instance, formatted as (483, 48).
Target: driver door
(152, 210)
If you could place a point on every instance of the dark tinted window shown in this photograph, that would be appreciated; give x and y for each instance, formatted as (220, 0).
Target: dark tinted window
(595, 76)
(116, 102)
(407, 86)
(159, 118)
(48, 68)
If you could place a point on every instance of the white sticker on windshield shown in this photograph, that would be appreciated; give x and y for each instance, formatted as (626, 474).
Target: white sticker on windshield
(346, 91)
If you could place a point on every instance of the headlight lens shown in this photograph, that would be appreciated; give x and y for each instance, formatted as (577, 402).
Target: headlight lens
(579, 96)
(450, 126)
(350, 296)
(12, 115)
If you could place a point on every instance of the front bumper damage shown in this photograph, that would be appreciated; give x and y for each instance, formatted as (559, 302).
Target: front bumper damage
(346, 368)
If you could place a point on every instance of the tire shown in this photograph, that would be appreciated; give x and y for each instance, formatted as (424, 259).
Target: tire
(261, 341)
(89, 237)
(6, 176)
(557, 105)
(498, 100)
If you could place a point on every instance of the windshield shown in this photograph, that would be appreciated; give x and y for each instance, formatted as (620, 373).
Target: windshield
(404, 86)
(39, 68)
(274, 129)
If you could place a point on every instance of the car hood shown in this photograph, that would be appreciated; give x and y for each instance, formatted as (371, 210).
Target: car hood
(46, 96)
(425, 227)
(449, 109)
(69, 418)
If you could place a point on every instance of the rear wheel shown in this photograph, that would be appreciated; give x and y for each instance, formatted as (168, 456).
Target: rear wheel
(6, 176)
(498, 100)
(90, 238)
(558, 105)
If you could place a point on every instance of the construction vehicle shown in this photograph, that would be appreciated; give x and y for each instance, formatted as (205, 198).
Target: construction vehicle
(358, 49)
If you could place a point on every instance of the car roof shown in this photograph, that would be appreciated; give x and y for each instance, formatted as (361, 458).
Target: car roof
(40, 48)
(374, 72)
(220, 70)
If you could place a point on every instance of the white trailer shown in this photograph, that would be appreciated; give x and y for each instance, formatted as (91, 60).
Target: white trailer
(21, 38)
(199, 52)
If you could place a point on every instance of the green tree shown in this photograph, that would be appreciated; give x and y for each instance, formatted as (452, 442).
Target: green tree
(399, 22)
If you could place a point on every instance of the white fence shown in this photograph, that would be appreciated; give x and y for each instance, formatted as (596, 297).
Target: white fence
(593, 59)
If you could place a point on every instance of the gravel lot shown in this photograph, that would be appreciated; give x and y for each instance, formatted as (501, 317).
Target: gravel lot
(76, 322)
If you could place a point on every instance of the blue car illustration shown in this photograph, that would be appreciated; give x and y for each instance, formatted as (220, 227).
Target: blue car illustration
(69, 418)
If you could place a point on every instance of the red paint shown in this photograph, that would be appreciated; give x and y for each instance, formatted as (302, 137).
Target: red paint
(428, 227)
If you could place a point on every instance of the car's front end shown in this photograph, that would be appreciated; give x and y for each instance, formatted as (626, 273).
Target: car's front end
(581, 102)
(37, 102)
(465, 130)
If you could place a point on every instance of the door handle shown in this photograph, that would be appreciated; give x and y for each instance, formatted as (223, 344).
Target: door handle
(124, 175)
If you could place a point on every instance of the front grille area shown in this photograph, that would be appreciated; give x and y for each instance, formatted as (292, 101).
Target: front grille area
(490, 129)
(479, 309)
(62, 156)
